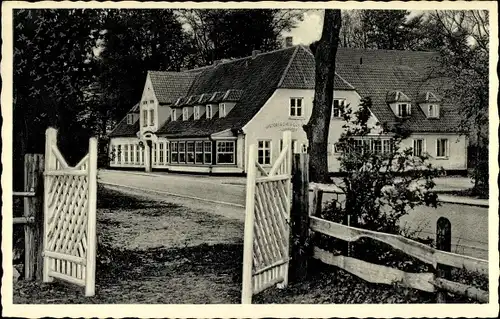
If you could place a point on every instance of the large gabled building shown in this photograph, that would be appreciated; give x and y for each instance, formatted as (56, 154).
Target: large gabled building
(203, 120)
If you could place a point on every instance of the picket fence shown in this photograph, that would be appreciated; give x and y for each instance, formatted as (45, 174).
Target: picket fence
(267, 216)
(70, 197)
(385, 275)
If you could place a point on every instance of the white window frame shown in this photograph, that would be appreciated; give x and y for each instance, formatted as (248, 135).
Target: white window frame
(151, 101)
(435, 113)
(197, 152)
(225, 152)
(341, 102)
(415, 144)
(208, 111)
(130, 119)
(408, 109)
(185, 113)
(152, 117)
(161, 153)
(145, 118)
(167, 152)
(197, 112)
(137, 154)
(154, 150)
(263, 149)
(209, 152)
(183, 143)
(174, 151)
(192, 152)
(125, 154)
(296, 108)
(173, 116)
(446, 150)
(222, 109)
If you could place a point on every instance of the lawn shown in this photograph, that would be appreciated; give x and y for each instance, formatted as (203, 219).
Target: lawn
(158, 252)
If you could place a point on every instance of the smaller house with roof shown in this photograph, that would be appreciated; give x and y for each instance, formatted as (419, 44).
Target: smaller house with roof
(203, 120)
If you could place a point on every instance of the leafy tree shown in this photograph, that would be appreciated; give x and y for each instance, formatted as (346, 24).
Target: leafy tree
(462, 38)
(317, 129)
(381, 184)
(51, 63)
(131, 42)
(221, 34)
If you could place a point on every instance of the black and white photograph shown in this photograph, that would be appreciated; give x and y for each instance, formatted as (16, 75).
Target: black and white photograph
(253, 154)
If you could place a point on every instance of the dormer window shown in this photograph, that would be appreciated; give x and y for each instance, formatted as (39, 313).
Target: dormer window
(209, 111)
(130, 119)
(433, 111)
(174, 114)
(185, 114)
(222, 110)
(197, 112)
(404, 109)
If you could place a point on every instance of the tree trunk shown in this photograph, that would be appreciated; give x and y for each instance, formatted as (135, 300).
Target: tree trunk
(317, 128)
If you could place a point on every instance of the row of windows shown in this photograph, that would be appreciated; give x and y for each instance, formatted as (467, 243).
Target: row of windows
(209, 112)
(297, 107)
(127, 154)
(383, 146)
(148, 117)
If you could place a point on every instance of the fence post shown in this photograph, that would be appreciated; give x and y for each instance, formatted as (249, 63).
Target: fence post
(299, 217)
(33, 182)
(50, 164)
(91, 224)
(443, 242)
(247, 289)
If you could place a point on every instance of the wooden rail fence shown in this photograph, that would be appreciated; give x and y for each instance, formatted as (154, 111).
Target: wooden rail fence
(33, 215)
(385, 275)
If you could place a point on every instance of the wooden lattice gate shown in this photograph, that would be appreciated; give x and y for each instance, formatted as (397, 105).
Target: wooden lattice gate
(70, 196)
(268, 204)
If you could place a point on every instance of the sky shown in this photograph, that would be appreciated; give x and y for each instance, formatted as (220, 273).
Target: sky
(309, 30)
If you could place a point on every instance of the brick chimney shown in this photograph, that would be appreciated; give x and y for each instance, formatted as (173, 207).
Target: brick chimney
(255, 53)
(288, 42)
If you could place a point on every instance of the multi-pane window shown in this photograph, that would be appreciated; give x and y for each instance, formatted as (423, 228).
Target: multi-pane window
(387, 146)
(113, 154)
(199, 152)
(264, 152)
(185, 114)
(377, 146)
(137, 154)
(175, 154)
(174, 114)
(442, 147)
(225, 152)
(222, 110)
(403, 109)
(132, 153)
(167, 152)
(182, 152)
(151, 101)
(418, 147)
(296, 107)
(207, 152)
(197, 112)
(130, 119)
(119, 154)
(125, 153)
(433, 110)
(162, 153)
(151, 117)
(190, 152)
(338, 107)
(145, 118)
(209, 111)
(154, 153)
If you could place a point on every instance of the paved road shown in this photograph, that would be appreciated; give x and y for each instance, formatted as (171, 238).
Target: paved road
(469, 223)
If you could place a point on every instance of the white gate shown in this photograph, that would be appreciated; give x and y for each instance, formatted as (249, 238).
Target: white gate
(70, 196)
(267, 216)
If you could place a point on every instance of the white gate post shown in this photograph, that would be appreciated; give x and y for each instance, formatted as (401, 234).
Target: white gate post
(287, 140)
(50, 164)
(247, 289)
(91, 224)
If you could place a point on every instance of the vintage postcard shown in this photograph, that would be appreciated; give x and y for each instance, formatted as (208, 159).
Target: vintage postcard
(250, 159)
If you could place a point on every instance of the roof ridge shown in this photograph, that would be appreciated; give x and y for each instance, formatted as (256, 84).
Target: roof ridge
(285, 72)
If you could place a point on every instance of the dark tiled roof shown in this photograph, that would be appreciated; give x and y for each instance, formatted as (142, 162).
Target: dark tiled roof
(169, 86)
(257, 78)
(396, 96)
(216, 97)
(123, 129)
(300, 73)
(232, 95)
